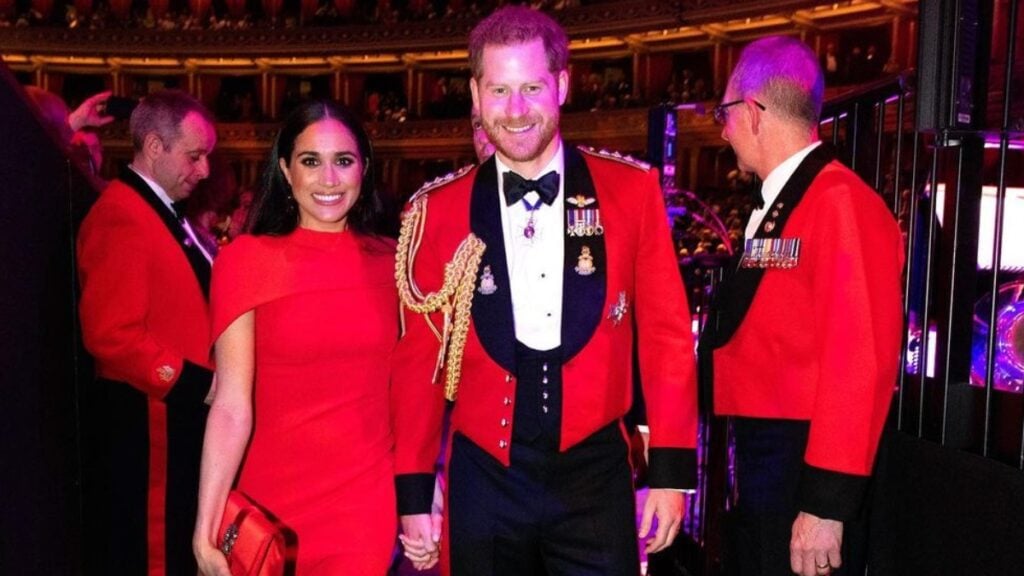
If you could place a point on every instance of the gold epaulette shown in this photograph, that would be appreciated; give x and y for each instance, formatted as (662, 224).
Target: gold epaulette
(441, 181)
(454, 298)
(615, 156)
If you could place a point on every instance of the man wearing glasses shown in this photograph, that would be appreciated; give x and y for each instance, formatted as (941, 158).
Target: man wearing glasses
(802, 342)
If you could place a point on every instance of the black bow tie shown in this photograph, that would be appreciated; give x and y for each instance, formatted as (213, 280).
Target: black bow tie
(516, 187)
(757, 196)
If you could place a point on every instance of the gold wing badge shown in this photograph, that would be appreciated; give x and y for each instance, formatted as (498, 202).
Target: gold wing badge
(453, 299)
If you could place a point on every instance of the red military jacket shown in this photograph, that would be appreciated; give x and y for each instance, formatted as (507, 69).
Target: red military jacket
(636, 291)
(820, 341)
(143, 304)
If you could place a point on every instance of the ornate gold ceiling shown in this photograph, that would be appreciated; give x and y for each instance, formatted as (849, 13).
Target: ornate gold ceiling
(609, 30)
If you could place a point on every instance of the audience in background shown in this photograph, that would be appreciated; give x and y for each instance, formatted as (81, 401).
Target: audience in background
(322, 13)
(239, 215)
(211, 203)
(831, 64)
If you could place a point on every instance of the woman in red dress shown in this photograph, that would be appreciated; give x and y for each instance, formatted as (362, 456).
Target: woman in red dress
(304, 319)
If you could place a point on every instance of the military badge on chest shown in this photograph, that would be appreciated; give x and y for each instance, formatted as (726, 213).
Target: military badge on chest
(585, 238)
(617, 311)
(585, 262)
(780, 253)
(584, 219)
(772, 251)
(487, 285)
(769, 221)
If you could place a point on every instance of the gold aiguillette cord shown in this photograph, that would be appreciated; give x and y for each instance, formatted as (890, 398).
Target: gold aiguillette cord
(453, 299)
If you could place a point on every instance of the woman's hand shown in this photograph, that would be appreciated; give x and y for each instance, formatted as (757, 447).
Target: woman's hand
(420, 540)
(212, 561)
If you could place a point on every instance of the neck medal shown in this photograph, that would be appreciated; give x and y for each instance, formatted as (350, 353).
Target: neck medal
(530, 230)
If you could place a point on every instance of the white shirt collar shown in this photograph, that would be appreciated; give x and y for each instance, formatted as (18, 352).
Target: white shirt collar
(778, 177)
(160, 192)
(772, 186)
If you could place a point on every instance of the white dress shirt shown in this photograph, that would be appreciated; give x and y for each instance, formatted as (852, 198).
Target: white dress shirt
(772, 186)
(535, 264)
(162, 195)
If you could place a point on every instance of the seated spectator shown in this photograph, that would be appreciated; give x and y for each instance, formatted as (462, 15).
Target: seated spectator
(873, 63)
(830, 65)
(236, 221)
(855, 66)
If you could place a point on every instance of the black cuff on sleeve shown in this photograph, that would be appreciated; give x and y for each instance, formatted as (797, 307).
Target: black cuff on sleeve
(672, 468)
(830, 494)
(415, 493)
(191, 387)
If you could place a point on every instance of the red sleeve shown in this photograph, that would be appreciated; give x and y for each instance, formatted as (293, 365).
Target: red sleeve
(857, 258)
(665, 341)
(417, 404)
(113, 259)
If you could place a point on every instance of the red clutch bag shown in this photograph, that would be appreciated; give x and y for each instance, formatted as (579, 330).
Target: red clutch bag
(253, 543)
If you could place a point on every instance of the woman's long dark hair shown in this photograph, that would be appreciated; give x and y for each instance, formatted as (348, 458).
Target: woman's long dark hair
(274, 211)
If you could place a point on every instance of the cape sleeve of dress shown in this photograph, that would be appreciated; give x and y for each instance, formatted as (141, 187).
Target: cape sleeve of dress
(255, 270)
(243, 278)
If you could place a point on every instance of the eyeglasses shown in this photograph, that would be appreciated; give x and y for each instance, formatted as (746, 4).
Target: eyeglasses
(721, 113)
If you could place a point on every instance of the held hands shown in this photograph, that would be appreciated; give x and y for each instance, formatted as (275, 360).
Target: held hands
(421, 537)
(667, 506)
(814, 547)
(211, 560)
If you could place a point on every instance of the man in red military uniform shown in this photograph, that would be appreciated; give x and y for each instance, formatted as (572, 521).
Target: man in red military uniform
(534, 274)
(145, 279)
(803, 339)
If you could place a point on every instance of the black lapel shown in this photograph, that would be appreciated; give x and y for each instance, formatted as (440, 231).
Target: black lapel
(583, 296)
(195, 256)
(736, 292)
(492, 313)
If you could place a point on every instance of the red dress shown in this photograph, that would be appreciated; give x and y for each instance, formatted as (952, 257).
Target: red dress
(320, 457)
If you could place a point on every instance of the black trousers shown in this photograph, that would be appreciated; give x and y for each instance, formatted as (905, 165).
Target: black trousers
(116, 482)
(549, 513)
(769, 458)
